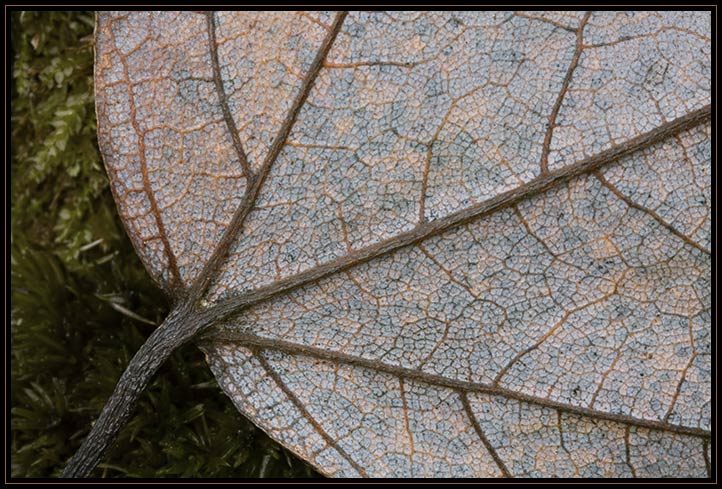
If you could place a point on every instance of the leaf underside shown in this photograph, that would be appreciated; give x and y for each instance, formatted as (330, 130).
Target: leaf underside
(433, 244)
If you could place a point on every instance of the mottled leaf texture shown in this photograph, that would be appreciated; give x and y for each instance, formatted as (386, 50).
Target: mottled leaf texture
(431, 244)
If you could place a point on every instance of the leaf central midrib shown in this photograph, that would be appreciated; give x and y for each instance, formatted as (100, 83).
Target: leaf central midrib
(255, 341)
(427, 229)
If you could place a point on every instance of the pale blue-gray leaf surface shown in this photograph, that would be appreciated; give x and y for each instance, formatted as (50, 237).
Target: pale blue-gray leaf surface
(444, 244)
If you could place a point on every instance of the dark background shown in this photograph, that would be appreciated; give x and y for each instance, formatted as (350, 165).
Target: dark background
(82, 303)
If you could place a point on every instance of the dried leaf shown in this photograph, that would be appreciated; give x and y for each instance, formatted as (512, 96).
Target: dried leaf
(431, 244)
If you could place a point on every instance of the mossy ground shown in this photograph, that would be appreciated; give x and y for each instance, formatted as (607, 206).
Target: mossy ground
(81, 301)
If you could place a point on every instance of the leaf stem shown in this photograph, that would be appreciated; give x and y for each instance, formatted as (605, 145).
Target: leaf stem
(178, 328)
(186, 320)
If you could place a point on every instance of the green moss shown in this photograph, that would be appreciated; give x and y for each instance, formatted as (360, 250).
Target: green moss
(81, 301)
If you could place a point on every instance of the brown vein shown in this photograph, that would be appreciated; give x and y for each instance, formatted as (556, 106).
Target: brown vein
(344, 230)
(425, 178)
(627, 452)
(447, 325)
(489, 447)
(605, 375)
(428, 229)
(675, 397)
(299, 405)
(250, 339)
(561, 443)
(176, 284)
(448, 273)
(707, 465)
(546, 21)
(650, 213)
(656, 33)
(562, 92)
(223, 98)
(540, 342)
(359, 64)
(531, 233)
(211, 267)
(402, 391)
